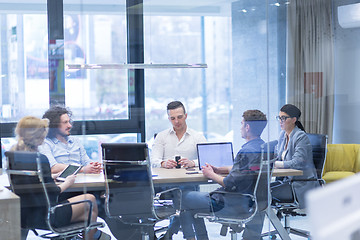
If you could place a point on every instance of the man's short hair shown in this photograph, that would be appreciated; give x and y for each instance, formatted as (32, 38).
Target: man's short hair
(53, 114)
(174, 105)
(257, 121)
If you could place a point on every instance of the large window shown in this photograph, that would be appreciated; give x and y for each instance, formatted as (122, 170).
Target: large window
(96, 39)
(205, 92)
(24, 66)
(98, 94)
(102, 101)
(239, 75)
(240, 46)
(244, 57)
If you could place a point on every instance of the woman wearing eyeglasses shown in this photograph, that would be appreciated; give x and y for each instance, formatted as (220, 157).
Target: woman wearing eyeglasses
(294, 151)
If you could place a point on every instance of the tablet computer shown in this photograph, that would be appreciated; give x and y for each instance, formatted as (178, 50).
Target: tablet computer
(69, 170)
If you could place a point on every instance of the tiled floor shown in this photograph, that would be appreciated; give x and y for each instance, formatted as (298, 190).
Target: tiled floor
(214, 230)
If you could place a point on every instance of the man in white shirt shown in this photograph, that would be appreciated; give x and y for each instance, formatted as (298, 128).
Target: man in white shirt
(176, 141)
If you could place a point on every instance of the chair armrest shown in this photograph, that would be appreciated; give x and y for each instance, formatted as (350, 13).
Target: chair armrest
(304, 180)
(234, 193)
(232, 201)
(239, 196)
(158, 195)
(178, 190)
(320, 180)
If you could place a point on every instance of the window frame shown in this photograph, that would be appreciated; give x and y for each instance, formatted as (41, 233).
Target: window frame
(135, 46)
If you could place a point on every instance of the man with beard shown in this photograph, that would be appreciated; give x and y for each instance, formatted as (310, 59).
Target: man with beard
(62, 149)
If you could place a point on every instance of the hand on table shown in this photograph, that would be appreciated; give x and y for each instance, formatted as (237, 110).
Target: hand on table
(184, 162)
(279, 164)
(215, 169)
(93, 167)
(169, 164)
(208, 171)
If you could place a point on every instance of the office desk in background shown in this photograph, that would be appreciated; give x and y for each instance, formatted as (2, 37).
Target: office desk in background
(10, 215)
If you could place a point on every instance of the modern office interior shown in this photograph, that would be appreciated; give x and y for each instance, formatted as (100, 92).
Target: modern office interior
(118, 63)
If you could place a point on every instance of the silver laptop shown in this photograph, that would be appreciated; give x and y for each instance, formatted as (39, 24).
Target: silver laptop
(217, 154)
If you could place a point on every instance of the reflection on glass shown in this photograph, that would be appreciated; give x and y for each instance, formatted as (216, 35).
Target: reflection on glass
(92, 143)
(6, 144)
(24, 71)
(96, 94)
(161, 32)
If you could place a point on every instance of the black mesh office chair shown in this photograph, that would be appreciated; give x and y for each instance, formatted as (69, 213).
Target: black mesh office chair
(319, 149)
(259, 197)
(29, 175)
(290, 206)
(129, 187)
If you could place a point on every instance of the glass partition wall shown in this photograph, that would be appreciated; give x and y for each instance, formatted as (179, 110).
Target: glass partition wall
(216, 33)
(117, 64)
(243, 44)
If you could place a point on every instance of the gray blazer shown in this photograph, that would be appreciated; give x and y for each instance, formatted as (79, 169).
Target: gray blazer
(299, 156)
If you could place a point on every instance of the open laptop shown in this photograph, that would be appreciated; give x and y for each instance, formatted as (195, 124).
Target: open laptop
(217, 154)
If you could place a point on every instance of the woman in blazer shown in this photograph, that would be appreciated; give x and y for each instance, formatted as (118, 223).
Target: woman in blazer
(294, 151)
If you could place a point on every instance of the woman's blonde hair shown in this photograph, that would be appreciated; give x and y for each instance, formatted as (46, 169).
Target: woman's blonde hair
(30, 132)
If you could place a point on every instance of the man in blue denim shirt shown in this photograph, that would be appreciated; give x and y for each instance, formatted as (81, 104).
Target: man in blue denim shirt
(240, 178)
(62, 149)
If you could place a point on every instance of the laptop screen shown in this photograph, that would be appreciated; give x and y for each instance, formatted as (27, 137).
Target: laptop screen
(216, 154)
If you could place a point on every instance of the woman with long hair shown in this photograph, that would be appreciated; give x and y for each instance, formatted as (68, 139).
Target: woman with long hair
(31, 132)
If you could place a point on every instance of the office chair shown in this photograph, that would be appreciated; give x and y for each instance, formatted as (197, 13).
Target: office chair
(259, 197)
(29, 174)
(290, 206)
(129, 188)
(319, 149)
